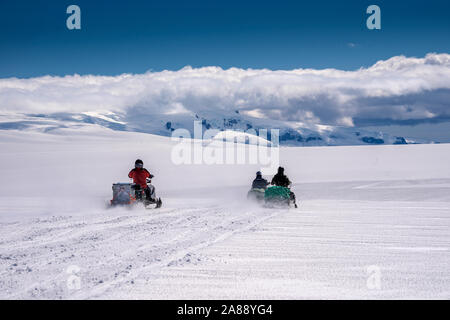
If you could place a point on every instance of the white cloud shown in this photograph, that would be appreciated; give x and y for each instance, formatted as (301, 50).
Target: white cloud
(396, 89)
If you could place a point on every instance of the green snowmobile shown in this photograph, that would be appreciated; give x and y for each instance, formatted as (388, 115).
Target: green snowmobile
(276, 196)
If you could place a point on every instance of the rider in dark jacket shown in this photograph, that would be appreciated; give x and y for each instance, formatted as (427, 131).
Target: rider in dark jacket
(259, 182)
(280, 179)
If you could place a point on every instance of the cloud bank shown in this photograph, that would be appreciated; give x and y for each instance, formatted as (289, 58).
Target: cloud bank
(400, 89)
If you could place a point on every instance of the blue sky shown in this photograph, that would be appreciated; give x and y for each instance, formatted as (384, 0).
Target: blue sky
(135, 36)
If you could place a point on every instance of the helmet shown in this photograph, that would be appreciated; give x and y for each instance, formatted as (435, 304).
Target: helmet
(138, 163)
(258, 174)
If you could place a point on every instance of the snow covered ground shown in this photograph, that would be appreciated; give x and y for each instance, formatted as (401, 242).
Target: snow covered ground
(367, 213)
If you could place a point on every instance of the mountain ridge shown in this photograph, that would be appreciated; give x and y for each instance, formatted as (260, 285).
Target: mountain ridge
(290, 133)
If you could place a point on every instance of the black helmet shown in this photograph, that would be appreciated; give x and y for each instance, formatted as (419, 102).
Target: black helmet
(258, 174)
(138, 163)
(280, 170)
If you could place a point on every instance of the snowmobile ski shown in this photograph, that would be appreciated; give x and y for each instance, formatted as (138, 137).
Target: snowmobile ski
(153, 204)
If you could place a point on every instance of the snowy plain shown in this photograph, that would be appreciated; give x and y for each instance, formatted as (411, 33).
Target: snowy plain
(360, 207)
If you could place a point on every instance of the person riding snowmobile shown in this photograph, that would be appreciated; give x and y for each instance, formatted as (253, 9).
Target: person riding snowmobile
(281, 180)
(140, 175)
(259, 182)
(259, 186)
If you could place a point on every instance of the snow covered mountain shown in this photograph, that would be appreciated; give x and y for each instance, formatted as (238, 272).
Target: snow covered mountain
(136, 120)
(403, 99)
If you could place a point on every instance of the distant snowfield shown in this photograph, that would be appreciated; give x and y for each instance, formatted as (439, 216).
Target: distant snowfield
(362, 208)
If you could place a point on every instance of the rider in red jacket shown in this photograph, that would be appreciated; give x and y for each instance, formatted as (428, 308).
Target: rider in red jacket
(139, 175)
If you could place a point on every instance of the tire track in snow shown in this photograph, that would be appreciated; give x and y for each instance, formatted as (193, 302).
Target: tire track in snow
(44, 252)
(179, 254)
(106, 246)
(86, 228)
